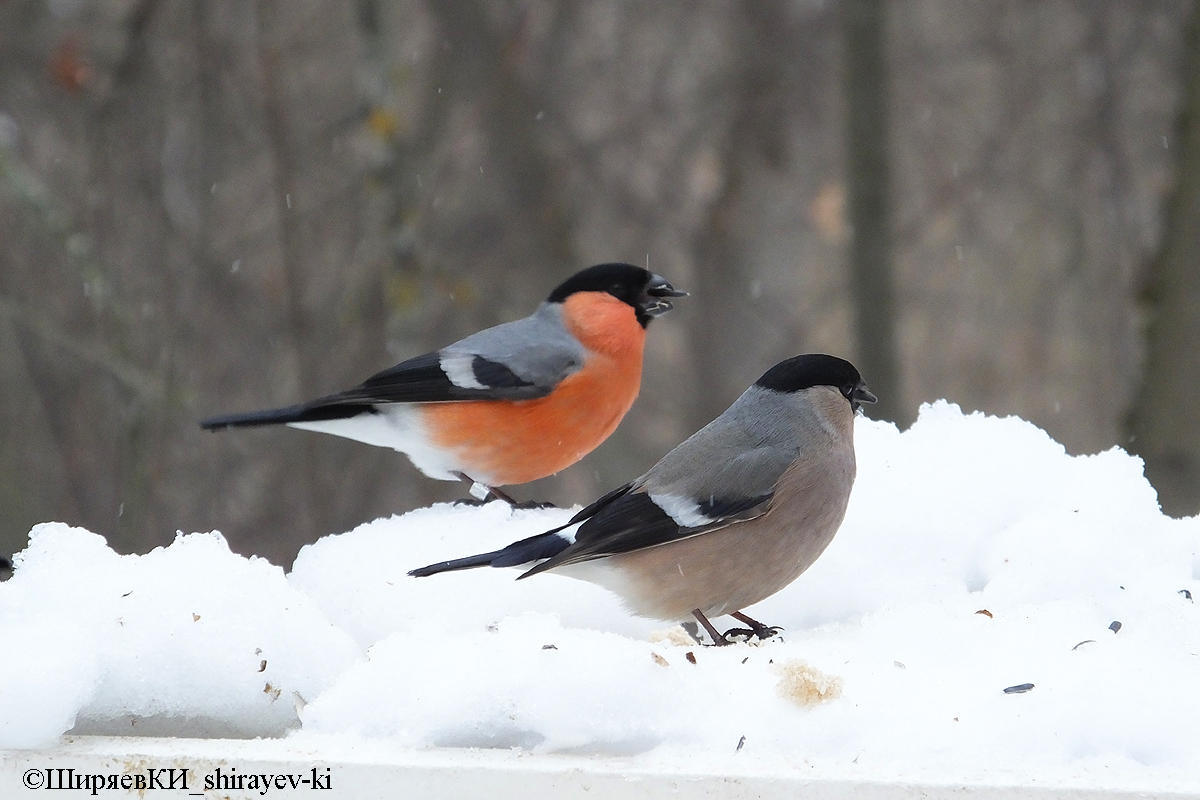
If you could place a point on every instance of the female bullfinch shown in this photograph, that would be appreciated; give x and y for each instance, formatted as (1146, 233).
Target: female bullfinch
(726, 519)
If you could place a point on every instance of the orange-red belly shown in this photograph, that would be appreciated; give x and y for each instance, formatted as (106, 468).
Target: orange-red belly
(504, 442)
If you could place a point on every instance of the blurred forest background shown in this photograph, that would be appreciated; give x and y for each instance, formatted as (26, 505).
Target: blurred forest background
(220, 205)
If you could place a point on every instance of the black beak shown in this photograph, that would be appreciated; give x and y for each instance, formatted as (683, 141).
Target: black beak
(656, 293)
(860, 395)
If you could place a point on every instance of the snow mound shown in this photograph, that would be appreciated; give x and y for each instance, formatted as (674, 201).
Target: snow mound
(189, 639)
(976, 557)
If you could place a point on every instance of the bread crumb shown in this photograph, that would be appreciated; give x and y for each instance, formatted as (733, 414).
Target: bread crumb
(673, 636)
(805, 685)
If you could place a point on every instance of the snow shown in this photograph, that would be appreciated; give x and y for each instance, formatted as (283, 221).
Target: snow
(170, 642)
(976, 556)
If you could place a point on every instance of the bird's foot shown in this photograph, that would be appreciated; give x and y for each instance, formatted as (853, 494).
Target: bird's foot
(754, 628)
(483, 501)
(738, 635)
(533, 504)
(514, 504)
(746, 634)
(474, 501)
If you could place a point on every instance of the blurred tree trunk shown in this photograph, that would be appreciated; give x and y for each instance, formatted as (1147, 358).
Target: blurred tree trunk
(868, 184)
(1165, 422)
(210, 206)
(753, 120)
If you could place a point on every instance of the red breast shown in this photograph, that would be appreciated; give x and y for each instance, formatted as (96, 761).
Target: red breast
(504, 442)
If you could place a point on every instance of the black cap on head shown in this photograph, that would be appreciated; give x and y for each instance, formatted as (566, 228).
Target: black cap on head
(817, 369)
(640, 288)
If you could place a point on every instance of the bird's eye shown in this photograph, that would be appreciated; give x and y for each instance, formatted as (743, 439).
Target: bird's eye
(616, 288)
(848, 389)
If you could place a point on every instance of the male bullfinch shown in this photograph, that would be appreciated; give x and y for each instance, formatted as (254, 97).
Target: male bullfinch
(727, 518)
(509, 404)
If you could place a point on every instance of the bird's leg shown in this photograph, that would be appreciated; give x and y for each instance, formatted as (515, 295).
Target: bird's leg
(756, 628)
(499, 495)
(525, 504)
(718, 639)
(482, 493)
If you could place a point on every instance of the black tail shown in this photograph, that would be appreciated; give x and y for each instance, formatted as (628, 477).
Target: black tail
(470, 562)
(535, 548)
(305, 412)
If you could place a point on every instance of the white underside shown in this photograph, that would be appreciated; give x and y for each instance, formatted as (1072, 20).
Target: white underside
(399, 427)
(601, 572)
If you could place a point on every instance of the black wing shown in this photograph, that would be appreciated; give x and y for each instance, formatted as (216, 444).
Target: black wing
(423, 380)
(417, 380)
(624, 521)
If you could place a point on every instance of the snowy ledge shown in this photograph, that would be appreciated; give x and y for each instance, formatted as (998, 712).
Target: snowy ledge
(372, 771)
(976, 557)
